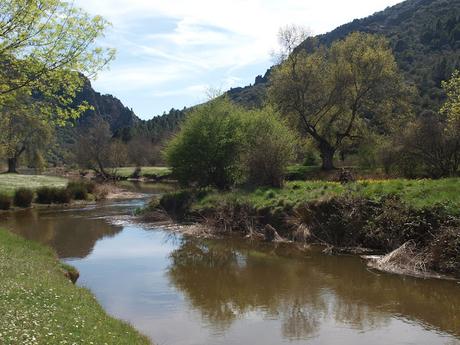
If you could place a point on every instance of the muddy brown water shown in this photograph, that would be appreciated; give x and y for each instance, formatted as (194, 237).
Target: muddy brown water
(200, 292)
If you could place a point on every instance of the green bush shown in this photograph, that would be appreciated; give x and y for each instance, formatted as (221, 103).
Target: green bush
(5, 202)
(23, 197)
(269, 147)
(206, 150)
(177, 204)
(49, 195)
(78, 190)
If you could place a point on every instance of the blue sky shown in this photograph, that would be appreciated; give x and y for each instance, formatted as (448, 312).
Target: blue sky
(170, 52)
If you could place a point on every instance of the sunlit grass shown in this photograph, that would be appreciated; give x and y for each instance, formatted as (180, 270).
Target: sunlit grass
(11, 182)
(39, 306)
(417, 193)
(145, 171)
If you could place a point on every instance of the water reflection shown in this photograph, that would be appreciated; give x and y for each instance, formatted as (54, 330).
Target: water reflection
(203, 292)
(72, 233)
(227, 281)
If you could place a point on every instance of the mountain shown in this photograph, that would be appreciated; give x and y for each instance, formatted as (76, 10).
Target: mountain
(424, 35)
(105, 107)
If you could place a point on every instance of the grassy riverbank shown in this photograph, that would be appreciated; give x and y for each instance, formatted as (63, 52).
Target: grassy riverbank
(39, 305)
(9, 183)
(416, 193)
(144, 172)
(380, 216)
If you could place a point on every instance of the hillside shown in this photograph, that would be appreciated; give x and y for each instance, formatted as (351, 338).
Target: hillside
(424, 34)
(105, 107)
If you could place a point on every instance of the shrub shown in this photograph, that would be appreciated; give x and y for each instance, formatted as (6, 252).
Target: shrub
(207, 149)
(49, 195)
(269, 147)
(5, 202)
(61, 196)
(177, 204)
(23, 197)
(78, 190)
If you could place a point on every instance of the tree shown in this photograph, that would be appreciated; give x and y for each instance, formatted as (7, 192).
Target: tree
(331, 93)
(206, 150)
(24, 129)
(97, 150)
(46, 46)
(269, 147)
(142, 151)
(42, 41)
(430, 145)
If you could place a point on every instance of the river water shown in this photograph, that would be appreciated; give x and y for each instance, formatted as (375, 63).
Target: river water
(209, 292)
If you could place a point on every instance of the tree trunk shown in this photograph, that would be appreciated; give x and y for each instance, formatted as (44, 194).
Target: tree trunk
(12, 165)
(327, 156)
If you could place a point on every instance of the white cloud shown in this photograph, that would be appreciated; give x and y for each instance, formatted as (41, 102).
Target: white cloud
(178, 44)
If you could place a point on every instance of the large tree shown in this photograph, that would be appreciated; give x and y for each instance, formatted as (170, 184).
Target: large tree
(332, 93)
(46, 46)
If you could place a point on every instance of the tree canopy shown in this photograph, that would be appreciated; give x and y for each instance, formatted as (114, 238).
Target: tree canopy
(44, 47)
(333, 92)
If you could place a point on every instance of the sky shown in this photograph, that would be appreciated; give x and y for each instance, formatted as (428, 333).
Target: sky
(171, 52)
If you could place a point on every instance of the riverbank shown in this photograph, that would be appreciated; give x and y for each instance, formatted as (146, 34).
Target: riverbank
(39, 304)
(416, 221)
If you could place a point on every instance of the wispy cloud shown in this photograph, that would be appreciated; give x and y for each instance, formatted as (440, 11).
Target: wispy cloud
(169, 52)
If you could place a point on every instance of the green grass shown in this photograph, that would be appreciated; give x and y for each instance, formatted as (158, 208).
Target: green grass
(126, 172)
(9, 183)
(38, 305)
(417, 193)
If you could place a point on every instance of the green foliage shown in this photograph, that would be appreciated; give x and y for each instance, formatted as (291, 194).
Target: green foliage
(78, 190)
(38, 304)
(332, 93)
(23, 197)
(301, 172)
(416, 193)
(206, 151)
(50, 195)
(423, 36)
(5, 201)
(430, 145)
(177, 203)
(269, 146)
(42, 44)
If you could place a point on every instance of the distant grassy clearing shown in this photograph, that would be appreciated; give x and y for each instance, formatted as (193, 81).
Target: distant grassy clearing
(40, 306)
(11, 182)
(417, 193)
(145, 171)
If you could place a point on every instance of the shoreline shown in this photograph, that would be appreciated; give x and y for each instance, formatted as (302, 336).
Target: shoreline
(390, 234)
(38, 288)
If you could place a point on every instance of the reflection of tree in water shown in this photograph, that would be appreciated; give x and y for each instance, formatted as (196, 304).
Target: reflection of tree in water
(70, 236)
(226, 279)
(224, 283)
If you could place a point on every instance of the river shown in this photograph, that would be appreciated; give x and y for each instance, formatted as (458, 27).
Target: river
(209, 292)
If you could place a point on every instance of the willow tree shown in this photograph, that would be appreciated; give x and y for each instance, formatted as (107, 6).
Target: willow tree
(46, 47)
(331, 93)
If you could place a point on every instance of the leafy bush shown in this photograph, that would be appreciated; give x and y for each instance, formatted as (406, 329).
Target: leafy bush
(177, 204)
(206, 150)
(5, 202)
(78, 190)
(23, 197)
(269, 147)
(50, 195)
